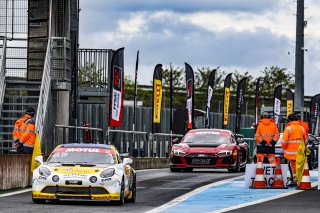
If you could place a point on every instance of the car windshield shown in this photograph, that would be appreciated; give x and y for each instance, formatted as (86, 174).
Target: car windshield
(207, 137)
(82, 156)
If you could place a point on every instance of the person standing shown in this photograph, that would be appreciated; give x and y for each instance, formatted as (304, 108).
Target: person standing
(267, 135)
(293, 135)
(24, 132)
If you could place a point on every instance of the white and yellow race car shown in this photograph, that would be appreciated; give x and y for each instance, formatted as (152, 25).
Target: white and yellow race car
(84, 171)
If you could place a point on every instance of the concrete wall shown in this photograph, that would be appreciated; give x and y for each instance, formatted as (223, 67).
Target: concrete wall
(15, 169)
(150, 163)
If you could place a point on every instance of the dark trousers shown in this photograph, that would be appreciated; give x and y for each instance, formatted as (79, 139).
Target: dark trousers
(25, 150)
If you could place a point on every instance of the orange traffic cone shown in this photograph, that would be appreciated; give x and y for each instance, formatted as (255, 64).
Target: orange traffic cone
(278, 180)
(259, 182)
(305, 182)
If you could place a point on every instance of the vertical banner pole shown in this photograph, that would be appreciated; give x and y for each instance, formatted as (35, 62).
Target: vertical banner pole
(257, 101)
(226, 101)
(171, 104)
(135, 98)
(277, 104)
(190, 95)
(240, 99)
(210, 91)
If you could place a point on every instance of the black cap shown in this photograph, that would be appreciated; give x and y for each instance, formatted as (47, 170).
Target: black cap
(30, 111)
(292, 117)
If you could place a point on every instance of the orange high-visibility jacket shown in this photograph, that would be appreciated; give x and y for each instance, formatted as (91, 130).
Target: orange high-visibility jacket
(293, 134)
(26, 131)
(267, 130)
(17, 131)
(304, 124)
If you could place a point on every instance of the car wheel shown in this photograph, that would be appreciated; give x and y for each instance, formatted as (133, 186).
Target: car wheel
(175, 170)
(237, 166)
(311, 160)
(39, 201)
(121, 200)
(133, 192)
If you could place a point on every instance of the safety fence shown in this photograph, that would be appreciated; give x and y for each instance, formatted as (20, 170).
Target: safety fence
(2, 69)
(136, 143)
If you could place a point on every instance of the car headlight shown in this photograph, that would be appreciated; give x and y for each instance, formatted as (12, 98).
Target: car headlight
(179, 152)
(107, 173)
(44, 171)
(225, 153)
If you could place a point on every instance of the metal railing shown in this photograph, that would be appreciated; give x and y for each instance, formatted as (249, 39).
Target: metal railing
(93, 67)
(44, 91)
(2, 70)
(136, 143)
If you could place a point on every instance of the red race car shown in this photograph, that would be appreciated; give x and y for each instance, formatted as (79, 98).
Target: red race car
(210, 148)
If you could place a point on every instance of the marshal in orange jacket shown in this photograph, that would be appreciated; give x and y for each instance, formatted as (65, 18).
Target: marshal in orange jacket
(293, 134)
(267, 130)
(24, 130)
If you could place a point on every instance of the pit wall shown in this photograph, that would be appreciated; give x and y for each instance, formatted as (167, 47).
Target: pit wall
(15, 169)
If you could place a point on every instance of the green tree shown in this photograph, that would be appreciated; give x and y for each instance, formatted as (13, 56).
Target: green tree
(128, 87)
(178, 78)
(274, 76)
(89, 76)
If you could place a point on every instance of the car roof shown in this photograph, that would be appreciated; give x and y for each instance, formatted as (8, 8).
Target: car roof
(83, 145)
(213, 130)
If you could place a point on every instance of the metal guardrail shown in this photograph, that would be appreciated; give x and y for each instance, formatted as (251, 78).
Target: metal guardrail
(136, 143)
(2, 70)
(44, 91)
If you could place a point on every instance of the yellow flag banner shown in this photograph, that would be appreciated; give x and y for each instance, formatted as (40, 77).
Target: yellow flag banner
(301, 160)
(226, 105)
(36, 152)
(289, 107)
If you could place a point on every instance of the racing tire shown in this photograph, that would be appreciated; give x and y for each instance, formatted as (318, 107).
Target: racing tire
(175, 170)
(39, 201)
(120, 202)
(133, 192)
(237, 167)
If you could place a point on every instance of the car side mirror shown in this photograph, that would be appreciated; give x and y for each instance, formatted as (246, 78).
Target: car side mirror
(176, 140)
(124, 155)
(127, 161)
(239, 138)
(39, 159)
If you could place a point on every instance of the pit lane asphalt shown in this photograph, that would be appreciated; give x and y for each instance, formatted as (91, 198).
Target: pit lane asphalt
(154, 188)
(307, 201)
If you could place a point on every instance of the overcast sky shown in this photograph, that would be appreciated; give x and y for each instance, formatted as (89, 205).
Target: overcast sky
(243, 35)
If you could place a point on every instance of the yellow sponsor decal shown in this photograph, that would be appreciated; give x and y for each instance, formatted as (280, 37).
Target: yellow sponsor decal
(289, 107)
(226, 105)
(49, 196)
(114, 196)
(157, 100)
(39, 195)
(77, 170)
